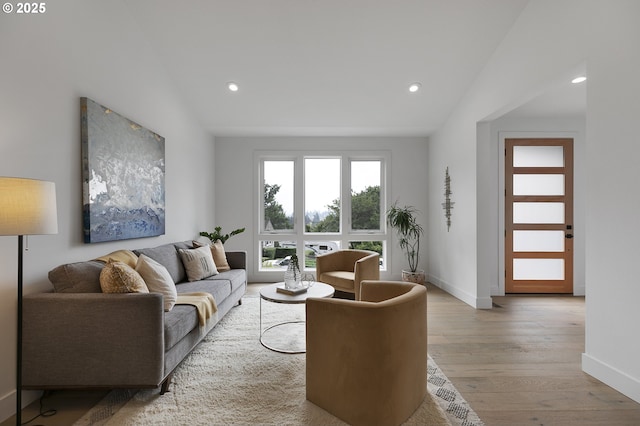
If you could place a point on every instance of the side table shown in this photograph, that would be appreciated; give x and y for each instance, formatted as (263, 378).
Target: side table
(269, 335)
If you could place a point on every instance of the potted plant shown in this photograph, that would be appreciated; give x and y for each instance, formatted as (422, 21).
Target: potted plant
(409, 231)
(217, 234)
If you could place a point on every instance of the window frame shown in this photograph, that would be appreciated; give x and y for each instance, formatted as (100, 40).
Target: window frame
(298, 234)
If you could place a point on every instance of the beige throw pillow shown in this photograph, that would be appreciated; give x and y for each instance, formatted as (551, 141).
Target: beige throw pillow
(118, 277)
(158, 280)
(198, 263)
(220, 257)
(124, 256)
(218, 253)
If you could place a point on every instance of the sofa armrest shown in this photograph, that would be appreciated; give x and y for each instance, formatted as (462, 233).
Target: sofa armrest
(84, 340)
(237, 259)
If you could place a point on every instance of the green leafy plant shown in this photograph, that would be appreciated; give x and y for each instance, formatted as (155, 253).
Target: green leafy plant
(217, 234)
(409, 231)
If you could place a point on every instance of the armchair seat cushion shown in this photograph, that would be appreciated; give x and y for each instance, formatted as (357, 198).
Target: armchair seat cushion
(342, 280)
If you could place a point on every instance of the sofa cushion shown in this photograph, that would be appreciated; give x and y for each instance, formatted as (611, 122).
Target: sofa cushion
(118, 277)
(178, 323)
(235, 277)
(219, 289)
(184, 318)
(167, 256)
(198, 263)
(80, 277)
(158, 280)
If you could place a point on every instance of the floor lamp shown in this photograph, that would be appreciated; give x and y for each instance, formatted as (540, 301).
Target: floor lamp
(27, 207)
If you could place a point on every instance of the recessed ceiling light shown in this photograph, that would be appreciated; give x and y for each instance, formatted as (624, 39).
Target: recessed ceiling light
(233, 86)
(414, 87)
(579, 79)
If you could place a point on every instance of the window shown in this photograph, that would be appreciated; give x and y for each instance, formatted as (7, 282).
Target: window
(342, 196)
(322, 195)
(365, 195)
(277, 192)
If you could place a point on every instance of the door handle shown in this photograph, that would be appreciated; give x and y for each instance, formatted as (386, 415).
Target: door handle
(569, 236)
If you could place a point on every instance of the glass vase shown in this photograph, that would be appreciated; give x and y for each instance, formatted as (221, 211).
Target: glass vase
(292, 277)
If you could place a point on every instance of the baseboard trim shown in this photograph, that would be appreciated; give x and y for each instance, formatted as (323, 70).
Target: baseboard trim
(469, 299)
(8, 402)
(611, 376)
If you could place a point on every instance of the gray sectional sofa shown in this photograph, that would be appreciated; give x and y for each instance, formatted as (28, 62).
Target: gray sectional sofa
(78, 337)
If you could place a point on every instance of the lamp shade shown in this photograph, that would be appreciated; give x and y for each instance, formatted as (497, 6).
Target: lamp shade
(27, 207)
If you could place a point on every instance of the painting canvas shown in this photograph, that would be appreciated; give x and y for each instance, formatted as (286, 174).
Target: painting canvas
(123, 176)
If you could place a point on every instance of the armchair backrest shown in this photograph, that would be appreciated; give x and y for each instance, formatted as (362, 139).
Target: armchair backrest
(385, 332)
(385, 291)
(342, 260)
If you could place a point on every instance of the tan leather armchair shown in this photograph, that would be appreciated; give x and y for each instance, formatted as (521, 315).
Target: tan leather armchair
(345, 269)
(367, 359)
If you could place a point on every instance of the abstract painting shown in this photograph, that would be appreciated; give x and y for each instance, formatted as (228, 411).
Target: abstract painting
(122, 176)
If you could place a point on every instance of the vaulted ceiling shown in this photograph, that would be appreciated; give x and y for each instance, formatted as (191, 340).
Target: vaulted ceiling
(323, 67)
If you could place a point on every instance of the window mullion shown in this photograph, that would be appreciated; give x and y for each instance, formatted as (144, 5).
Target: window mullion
(299, 204)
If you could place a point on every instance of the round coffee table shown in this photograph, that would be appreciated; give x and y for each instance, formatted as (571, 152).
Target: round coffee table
(269, 336)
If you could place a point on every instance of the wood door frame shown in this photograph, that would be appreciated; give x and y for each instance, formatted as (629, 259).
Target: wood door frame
(533, 286)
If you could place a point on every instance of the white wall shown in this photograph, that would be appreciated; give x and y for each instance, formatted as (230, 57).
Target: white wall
(613, 198)
(93, 49)
(236, 201)
(605, 35)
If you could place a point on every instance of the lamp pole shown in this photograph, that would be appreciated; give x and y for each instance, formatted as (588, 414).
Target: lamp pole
(19, 338)
(27, 207)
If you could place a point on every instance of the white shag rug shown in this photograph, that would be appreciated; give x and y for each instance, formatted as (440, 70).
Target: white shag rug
(230, 378)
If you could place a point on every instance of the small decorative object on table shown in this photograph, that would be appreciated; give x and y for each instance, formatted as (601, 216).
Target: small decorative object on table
(292, 276)
(308, 280)
(284, 290)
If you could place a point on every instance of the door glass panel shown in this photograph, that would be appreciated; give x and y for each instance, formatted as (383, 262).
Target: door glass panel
(538, 212)
(538, 269)
(538, 241)
(538, 184)
(538, 156)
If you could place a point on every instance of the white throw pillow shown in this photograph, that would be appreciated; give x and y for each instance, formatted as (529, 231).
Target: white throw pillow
(158, 280)
(198, 263)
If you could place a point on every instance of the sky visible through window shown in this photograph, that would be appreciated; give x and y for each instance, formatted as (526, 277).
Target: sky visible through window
(323, 180)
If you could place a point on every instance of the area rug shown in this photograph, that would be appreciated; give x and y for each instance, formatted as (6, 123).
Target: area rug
(231, 379)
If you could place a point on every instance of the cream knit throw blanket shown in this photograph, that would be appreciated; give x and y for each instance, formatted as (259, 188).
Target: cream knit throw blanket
(204, 303)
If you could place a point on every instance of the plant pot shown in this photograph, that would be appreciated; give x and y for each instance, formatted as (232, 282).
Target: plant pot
(417, 277)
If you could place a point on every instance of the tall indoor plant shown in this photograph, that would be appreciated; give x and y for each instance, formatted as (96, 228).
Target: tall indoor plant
(409, 231)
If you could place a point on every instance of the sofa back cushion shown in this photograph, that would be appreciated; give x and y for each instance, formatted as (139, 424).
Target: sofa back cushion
(80, 277)
(167, 256)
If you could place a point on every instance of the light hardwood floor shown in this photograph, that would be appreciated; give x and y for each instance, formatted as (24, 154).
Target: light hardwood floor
(516, 364)
(520, 362)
